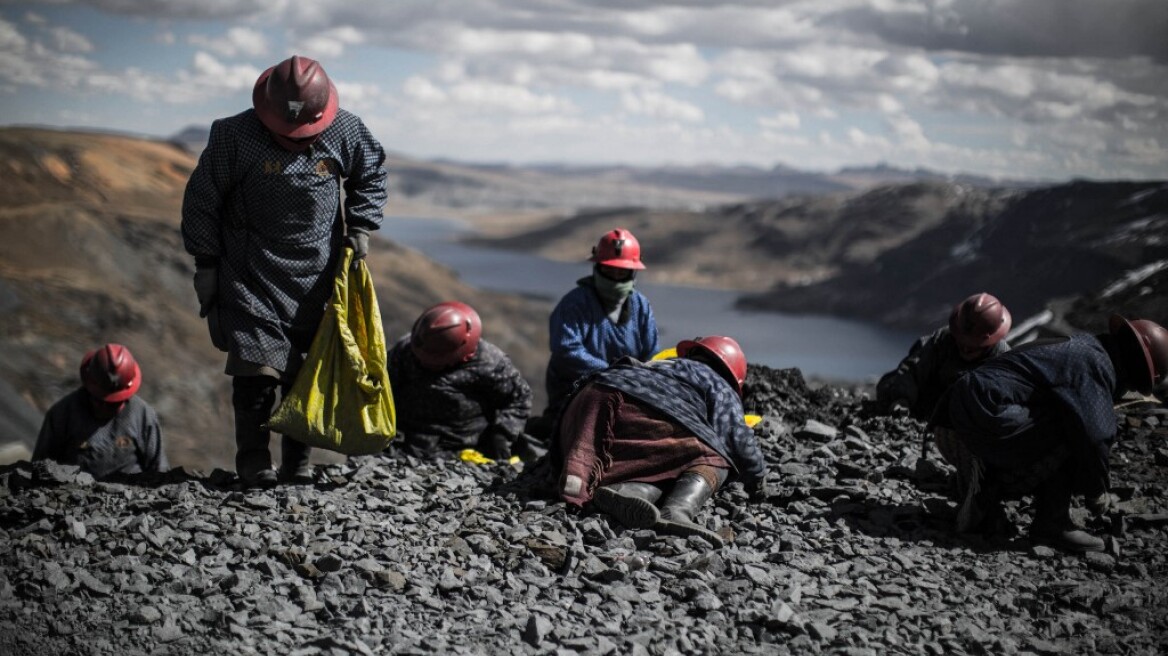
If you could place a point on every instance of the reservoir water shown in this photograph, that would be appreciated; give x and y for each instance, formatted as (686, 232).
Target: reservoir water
(822, 347)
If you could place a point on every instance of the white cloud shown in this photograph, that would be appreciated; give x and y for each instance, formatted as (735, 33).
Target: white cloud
(523, 42)
(780, 121)
(235, 42)
(11, 40)
(361, 97)
(1081, 90)
(331, 44)
(909, 133)
(424, 91)
(660, 106)
(66, 40)
(506, 97)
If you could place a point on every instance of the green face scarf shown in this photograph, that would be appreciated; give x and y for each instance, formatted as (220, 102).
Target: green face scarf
(613, 292)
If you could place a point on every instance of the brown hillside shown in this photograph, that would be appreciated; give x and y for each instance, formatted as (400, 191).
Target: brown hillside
(90, 252)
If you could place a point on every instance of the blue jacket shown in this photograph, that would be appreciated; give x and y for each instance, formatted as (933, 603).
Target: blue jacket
(271, 221)
(583, 339)
(1026, 398)
(697, 397)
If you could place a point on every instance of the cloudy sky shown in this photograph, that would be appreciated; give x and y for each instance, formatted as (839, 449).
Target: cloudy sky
(1047, 89)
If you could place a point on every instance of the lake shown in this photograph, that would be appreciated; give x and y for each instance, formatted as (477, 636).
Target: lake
(822, 347)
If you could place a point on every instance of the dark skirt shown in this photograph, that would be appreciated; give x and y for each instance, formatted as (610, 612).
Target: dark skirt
(607, 437)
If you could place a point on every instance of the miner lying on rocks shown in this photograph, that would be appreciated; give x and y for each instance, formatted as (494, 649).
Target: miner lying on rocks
(976, 331)
(650, 442)
(1040, 419)
(454, 390)
(103, 427)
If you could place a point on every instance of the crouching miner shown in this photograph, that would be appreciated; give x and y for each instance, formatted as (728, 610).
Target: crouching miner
(103, 427)
(454, 390)
(1040, 419)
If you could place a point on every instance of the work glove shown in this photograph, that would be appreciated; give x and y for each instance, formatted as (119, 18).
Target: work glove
(495, 444)
(899, 407)
(758, 492)
(358, 240)
(1101, 505)
(206, 287)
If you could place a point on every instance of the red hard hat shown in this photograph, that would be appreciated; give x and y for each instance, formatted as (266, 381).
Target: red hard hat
(725, 349)
(445, 335)
(1145, 347)
(979, 321)
(295, 98)
(110, 373)
(618, 248)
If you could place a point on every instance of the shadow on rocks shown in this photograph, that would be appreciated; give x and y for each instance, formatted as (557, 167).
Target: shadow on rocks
(931, 522)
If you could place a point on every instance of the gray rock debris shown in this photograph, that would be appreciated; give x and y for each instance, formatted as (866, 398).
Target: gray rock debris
(852, 553)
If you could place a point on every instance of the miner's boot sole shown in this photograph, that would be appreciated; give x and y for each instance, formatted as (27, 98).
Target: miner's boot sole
(631, 511)
(686, 529)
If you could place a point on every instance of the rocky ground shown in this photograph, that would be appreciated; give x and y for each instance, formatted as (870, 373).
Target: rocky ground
(851, 554)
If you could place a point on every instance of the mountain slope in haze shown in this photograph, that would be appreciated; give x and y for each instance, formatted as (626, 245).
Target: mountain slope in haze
(899, 255)
(1030, 248)
(425, 186)
(753, 246)
(90, 252)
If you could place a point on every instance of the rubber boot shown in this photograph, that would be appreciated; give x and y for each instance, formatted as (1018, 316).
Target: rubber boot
(294, 467)
(685, 500)
(631, 503)
(252, 398)
(981, 508)
(1052, 524)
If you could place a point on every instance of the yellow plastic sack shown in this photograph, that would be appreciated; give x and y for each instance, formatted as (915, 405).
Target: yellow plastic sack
(341, 399)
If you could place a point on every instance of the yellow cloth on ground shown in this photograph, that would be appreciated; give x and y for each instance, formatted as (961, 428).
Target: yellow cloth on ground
(477, 458)
(341, 398)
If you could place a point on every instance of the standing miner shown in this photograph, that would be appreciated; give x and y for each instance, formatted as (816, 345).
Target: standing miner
(264, 218)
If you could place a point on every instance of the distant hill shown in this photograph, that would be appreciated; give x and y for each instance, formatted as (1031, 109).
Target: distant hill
(1030, 248)
(566, 188)
(902, 254)
(90, 252)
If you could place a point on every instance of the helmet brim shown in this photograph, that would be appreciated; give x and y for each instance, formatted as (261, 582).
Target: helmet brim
(1137, 357)
(275, 122)
(619, 264)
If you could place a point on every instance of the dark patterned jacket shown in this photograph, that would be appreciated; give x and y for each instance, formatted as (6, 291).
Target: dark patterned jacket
(1026, 399)
(129, 443)
(452, 409)
(932, 364)
(272, 221)
(697, 397)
